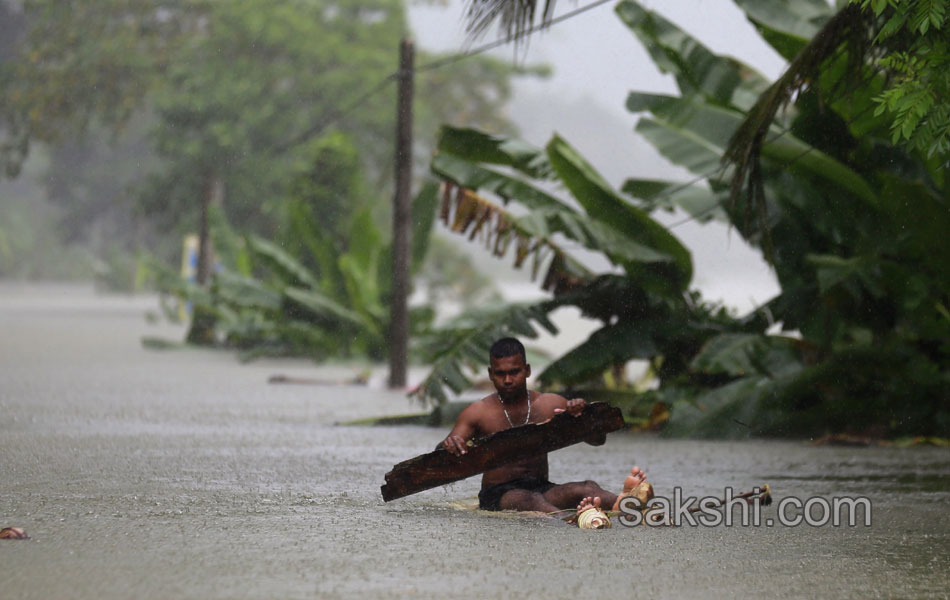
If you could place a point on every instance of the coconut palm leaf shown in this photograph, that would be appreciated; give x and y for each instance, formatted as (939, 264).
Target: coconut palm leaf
(514, 17)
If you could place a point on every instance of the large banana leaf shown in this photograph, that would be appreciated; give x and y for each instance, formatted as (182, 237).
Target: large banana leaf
(473, 176)
(604, 204)
(424, 207)
(548, 216)
(742, 354)
(313, 237)
(466, 212)
(288, 269)
(608, 346)
(360, 268)
(787, 25)
(239, 290)
(701, 203)
(723, 412)
(478, 147)
(690, 133)
(720, 79)
(327, 308)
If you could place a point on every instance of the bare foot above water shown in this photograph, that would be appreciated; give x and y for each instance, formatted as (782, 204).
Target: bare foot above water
(635, 485)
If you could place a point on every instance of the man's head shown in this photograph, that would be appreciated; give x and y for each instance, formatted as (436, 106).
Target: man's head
(505, 347)
(509, 370)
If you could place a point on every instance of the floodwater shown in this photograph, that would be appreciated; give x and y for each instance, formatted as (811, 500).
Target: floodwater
(184, 474)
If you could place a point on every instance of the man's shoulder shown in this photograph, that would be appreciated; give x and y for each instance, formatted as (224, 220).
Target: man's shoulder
(478, 407)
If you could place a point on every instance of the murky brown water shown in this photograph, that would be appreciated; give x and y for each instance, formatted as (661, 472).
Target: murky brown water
(183, 474)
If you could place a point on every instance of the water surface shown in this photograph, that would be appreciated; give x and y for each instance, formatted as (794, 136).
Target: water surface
(184, 474)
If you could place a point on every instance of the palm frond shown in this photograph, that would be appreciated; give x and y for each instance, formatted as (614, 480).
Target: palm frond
(514, 17)
(847, 29)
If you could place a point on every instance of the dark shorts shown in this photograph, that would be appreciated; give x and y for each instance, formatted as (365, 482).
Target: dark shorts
(490, 497)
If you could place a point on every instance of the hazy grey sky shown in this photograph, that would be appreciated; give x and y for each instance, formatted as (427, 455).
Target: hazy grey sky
(596, 62)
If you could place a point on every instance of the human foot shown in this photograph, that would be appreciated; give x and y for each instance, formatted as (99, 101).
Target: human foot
(590, 515)
(637, 486)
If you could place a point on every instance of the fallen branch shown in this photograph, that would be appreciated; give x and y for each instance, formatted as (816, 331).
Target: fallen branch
(441, 467)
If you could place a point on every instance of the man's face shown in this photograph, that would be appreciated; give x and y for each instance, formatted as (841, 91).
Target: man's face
(509, 376)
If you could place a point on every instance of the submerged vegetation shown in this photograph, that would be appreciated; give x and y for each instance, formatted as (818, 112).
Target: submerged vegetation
(858, 340)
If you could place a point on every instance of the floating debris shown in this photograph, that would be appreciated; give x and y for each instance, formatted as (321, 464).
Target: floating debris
(13, 533)
(593, 518)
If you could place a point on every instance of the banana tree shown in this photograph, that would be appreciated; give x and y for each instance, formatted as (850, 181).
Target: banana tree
(499, 191)
(314, 299)
(851, 223)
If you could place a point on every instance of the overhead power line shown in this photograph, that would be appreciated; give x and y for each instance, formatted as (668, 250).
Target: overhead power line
(338, 115)
(448, 60)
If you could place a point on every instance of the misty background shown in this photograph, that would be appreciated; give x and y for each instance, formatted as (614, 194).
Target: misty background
(594, 60)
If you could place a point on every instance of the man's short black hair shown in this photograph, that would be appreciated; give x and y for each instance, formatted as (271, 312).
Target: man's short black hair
(507, 347)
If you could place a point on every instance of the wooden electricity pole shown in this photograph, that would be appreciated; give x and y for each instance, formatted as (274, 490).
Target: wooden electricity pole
(402, 222)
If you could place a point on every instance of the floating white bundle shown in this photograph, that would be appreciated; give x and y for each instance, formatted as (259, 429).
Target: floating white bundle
(593, 518)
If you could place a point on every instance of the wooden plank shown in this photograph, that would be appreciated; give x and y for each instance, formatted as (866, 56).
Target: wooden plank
(505, 447)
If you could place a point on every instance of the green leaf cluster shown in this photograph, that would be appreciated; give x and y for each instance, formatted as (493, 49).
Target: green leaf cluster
(916, 56)
(852, 223)
(321, 290)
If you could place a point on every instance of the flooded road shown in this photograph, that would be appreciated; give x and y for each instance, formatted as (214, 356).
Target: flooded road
(184, 474)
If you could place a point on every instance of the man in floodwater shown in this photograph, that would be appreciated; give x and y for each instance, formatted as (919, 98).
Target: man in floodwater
(524, 485)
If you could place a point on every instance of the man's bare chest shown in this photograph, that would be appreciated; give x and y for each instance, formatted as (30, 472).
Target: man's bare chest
(497, 420)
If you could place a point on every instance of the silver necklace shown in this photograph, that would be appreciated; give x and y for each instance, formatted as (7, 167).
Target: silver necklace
(527, 417)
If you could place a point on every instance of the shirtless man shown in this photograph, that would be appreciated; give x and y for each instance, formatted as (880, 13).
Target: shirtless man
(524, 485)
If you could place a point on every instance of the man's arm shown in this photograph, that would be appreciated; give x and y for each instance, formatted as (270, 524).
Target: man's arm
(464, 430)
(561, 404)
(575, 407)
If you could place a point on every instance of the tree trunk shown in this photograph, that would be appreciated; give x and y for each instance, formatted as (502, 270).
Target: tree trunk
(203, 320)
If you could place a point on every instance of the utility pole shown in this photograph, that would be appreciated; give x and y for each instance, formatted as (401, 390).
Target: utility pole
(402, 222)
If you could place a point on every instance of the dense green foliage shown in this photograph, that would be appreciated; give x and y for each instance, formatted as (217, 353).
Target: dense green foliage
(916, 41)
(887, 56)
(321, 290)
(645, 311)
(144, 105)
(857, 340)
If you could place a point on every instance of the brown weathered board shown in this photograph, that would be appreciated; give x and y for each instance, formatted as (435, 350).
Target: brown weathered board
(441, 467)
